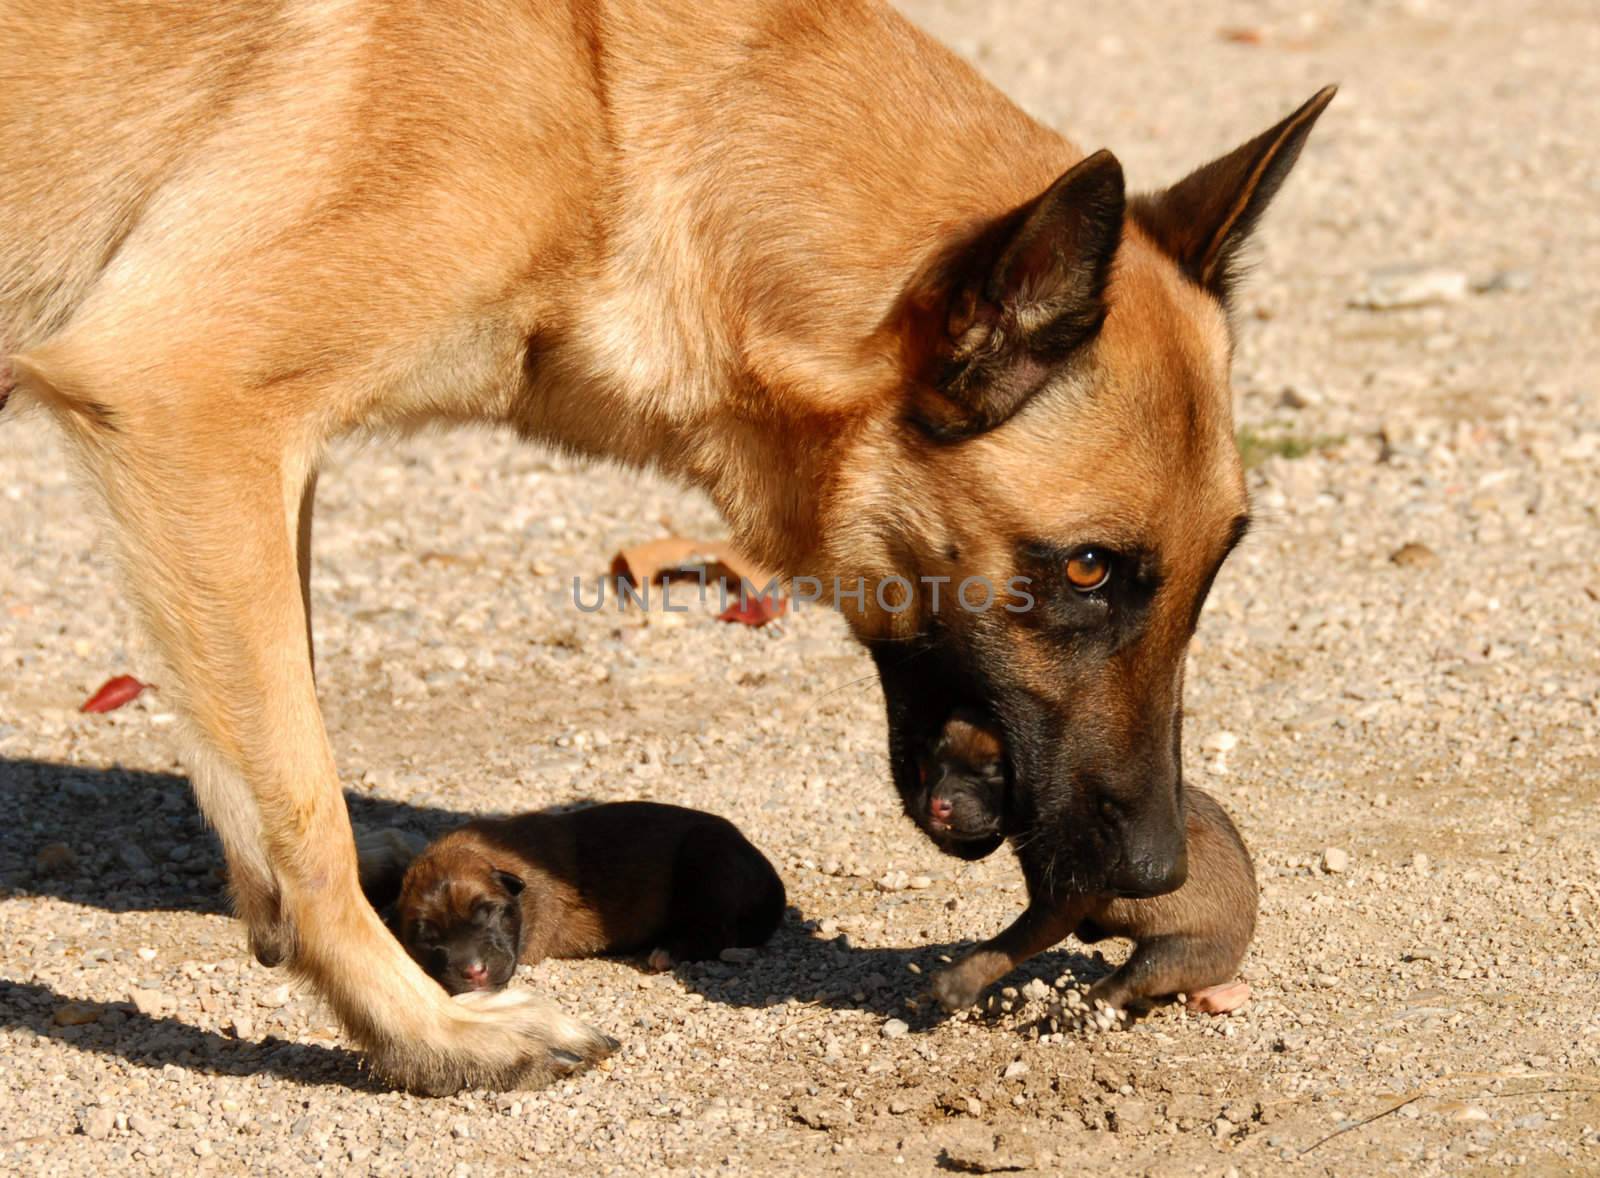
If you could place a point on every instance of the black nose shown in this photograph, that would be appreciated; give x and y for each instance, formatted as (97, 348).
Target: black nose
(1149, 872)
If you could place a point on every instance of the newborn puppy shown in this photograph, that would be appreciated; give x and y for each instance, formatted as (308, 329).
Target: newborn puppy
(617, 878)
(1190, 941)
(962, 800)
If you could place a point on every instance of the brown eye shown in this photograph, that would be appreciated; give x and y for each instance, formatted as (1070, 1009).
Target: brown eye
(1088, 570)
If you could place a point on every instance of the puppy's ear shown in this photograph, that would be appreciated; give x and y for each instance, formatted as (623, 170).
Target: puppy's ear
(1204, 219)
(1016, 302)
(511, 883)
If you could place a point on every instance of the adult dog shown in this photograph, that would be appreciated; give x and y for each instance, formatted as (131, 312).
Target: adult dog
(792, 251)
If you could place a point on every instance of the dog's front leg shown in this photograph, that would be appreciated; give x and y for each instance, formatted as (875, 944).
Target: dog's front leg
(206, 501)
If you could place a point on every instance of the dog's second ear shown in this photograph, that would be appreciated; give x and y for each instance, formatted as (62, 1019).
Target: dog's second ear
(1018, 301)
(1205, 218)
(511, 883)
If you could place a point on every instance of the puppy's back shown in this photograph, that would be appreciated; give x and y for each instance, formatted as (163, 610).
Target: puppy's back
(627, 857)
(1219, 899)
(636, 875)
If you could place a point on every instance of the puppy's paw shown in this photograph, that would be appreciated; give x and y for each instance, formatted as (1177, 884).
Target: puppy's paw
(660, 960)
(958, 987)
(1223, 999)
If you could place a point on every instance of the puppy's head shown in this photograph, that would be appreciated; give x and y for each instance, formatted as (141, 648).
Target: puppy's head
(961, 802)
(460, 917)
(1038, 519)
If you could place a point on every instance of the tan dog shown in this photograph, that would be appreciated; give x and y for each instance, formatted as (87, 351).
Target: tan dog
(619, 878)
(791, 251)
(1189, 941)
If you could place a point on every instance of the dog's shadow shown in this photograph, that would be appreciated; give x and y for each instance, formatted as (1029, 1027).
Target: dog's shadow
(128, 841)
(799, 967)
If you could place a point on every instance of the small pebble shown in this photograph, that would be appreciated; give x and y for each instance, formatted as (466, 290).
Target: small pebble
(1400, 287)
(150, 1003)
(1414, 556)
(96, 1123)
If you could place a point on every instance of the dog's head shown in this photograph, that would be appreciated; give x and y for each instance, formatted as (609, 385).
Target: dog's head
(460, 917)
(1040, 520)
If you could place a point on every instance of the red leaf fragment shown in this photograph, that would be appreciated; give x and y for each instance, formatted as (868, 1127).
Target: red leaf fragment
(115, 693)
(754, 609)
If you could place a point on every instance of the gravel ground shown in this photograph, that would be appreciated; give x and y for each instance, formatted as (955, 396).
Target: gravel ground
(1402, 659)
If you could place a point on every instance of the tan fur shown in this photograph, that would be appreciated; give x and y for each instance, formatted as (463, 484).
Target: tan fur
(674, 234)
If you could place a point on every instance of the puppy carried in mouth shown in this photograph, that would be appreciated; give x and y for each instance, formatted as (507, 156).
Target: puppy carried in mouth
(1190, 941)
(618, 878)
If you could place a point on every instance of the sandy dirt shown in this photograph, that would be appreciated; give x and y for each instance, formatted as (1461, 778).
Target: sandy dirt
(1403, 656)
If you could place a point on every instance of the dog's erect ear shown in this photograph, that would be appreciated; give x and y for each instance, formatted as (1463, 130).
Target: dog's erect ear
(511, 883)
(1205, 218)
(1021, 298)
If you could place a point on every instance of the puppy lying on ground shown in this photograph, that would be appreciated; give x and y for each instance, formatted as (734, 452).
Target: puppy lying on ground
(617, 878)
(1190, 941)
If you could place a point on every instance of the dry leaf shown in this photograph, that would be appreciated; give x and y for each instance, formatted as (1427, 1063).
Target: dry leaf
(678, 558)
(114, 693)
(1243, 35)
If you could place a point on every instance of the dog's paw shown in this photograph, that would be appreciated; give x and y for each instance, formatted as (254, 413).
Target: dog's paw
(555, 1043)
(498, 1040)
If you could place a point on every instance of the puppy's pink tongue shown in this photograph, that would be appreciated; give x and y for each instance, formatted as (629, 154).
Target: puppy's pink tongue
(941, 809)
(1221, 999)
